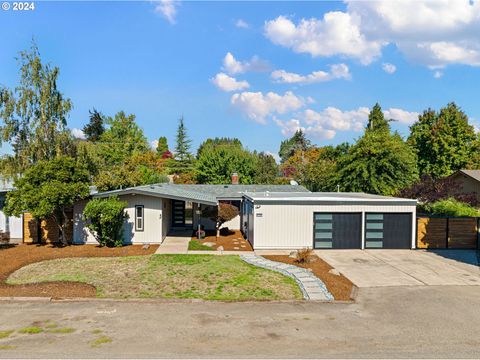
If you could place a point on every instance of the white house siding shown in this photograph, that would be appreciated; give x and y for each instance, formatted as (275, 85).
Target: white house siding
(153, 229)
(12, 224)
(289, 226)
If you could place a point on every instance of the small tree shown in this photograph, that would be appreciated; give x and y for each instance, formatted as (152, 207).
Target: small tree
(105, 220)
(221, 214)
(47, 190)
(162, 146)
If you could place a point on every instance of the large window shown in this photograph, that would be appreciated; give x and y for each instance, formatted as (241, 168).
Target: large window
(139, 217)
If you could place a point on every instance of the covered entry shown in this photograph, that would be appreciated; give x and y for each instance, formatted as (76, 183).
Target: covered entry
(337, 230)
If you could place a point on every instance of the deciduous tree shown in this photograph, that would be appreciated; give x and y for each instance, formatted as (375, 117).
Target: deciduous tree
(48, 189)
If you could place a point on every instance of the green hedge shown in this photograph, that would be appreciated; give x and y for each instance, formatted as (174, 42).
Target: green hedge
(450, 207)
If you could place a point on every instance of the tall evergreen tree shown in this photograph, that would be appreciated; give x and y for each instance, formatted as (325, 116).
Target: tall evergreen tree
(444, 141)
(95, 127)
(379, 163)
(183, 144)
(376, 120)
(297, 142)
(266, 169)
(183, 158)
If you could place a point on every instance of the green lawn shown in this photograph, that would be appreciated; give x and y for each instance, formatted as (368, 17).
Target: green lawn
(197, 245)
(209, 277)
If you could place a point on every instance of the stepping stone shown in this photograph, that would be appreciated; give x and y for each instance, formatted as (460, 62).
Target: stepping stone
(208, 243)
(243, 246)
(236, 248)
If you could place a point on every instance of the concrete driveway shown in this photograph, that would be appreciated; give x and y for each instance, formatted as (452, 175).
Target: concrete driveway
(372, 268)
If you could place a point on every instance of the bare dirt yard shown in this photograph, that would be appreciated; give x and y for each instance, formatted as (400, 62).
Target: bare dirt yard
(230, 240)
(13, 257)
(338, 285)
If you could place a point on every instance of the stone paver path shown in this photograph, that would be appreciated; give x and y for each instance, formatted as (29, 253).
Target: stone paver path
(312, 287)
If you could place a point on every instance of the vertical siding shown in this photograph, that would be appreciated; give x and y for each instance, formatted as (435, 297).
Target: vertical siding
(288, 226)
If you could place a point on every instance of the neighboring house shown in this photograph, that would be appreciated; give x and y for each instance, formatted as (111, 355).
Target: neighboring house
(11, 227)
(154, 210)
(271, 216)
(468, 181)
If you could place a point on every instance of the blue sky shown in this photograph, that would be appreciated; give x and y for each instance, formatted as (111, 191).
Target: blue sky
(254, 70)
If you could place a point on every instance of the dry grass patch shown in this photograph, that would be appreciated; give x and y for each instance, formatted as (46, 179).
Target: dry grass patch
(207, 277)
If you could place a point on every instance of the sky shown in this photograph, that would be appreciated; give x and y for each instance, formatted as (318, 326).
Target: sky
(257, 71)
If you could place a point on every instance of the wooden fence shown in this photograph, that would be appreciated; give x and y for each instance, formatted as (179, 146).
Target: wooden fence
(447, 232)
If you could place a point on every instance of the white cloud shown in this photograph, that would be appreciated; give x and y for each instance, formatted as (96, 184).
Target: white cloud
(290, 127)
(337, 71)
(154, 144)
(433, 33)
(78, 133)
(389, 68)
(325, 124)
(437, 74)
(233, 66)
(227, 83)
(168, 9)
(402, 116)
(240, 23)
(336, 119)
(338, 33)
(258, 106)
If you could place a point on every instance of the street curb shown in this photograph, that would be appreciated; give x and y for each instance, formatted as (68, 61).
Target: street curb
(26, 298)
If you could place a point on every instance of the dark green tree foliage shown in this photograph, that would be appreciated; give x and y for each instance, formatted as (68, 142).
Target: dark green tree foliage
(379, 163)
(222, 141)
(95, 127)
(162, 146)
(183, 157)
(376, 120)
(122, 140)
(217, 162)
(266, 169)
(443, 141)
(297, 142)
(105, 218)
(34, 115)
(48, 189)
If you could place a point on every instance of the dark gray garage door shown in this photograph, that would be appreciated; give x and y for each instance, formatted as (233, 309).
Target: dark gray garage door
(337, 230)
(388, 230)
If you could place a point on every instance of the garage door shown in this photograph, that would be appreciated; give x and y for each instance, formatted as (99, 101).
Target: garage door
(337, 231)
(388, 230)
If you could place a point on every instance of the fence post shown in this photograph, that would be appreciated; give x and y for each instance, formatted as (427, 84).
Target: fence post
(447, 233)
(478, 232)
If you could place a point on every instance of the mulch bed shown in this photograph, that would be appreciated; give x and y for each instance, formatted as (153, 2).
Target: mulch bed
(228, 239)
(338, 285)
(13, 257)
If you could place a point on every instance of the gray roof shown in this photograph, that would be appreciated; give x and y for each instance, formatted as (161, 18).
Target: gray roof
(474, 174)
(326, 198)
(204, 194)
(165, 191)
(237, 191)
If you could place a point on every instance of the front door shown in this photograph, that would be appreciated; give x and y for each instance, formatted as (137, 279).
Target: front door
(178, 213)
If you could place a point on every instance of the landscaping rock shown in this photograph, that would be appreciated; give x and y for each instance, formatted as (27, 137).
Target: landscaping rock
(334, 272)
(145, 246)
(293, 254)
(220, 248)
(207, 243)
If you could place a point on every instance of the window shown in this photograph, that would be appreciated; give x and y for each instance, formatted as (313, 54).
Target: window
(139, 217)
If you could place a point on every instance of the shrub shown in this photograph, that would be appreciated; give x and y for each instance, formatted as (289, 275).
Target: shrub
(303, 256)
(105, 220)
(451, 207)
